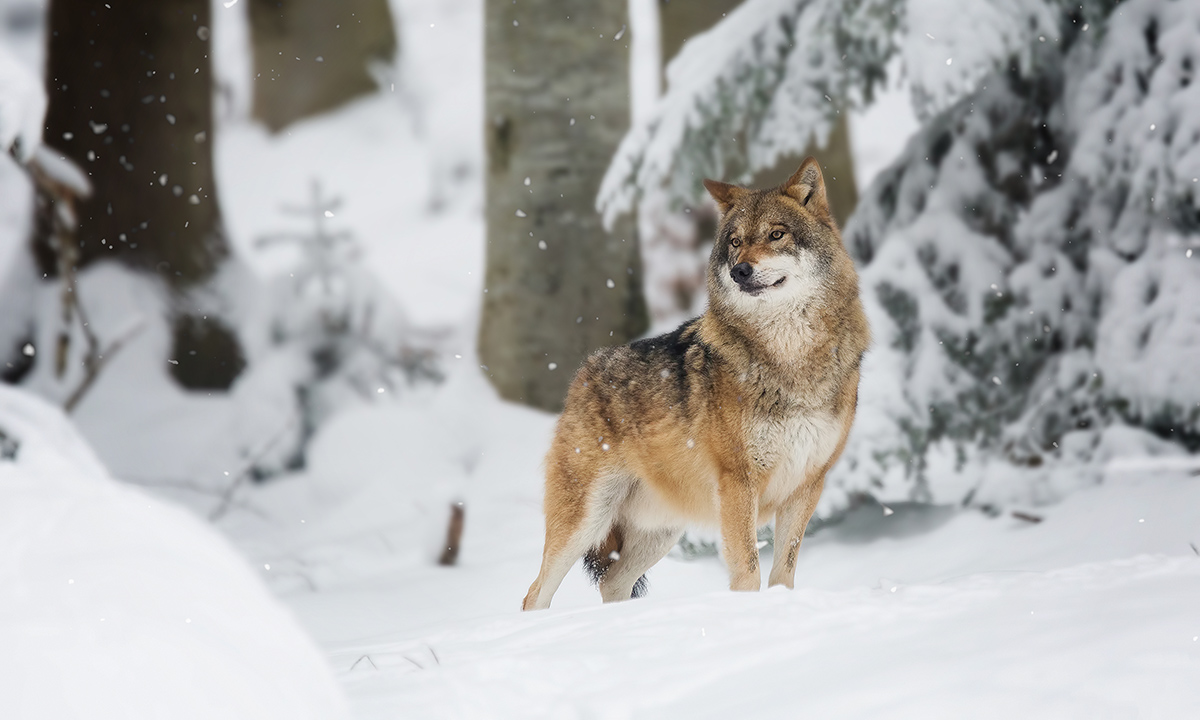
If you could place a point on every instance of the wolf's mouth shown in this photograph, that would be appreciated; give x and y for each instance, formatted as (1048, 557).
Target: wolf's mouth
(755, 290)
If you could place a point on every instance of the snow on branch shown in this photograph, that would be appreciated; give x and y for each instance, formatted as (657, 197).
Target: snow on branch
(773, 76)
(950, 45)
(22, 108)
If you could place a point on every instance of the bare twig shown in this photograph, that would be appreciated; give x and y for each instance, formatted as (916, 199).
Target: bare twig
(1194, 548)
(1035, 519)
(96, 359)
(453, 534)
(192, 486)
(64, 185)
(434, 654)
(10, 445)
(368, 659)
(246, 470)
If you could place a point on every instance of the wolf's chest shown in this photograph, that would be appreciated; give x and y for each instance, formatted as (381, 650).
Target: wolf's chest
(792, 447)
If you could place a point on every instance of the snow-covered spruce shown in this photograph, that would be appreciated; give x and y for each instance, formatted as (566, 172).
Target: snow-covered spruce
(341, 335)
(1025, 262)
(117, 605)
(775, 74)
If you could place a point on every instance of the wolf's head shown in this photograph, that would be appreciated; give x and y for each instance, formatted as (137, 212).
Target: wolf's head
(778, 250)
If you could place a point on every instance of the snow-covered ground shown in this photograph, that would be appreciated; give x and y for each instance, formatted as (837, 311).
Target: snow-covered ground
(924, 612)
(1091, 612)
(118, 605)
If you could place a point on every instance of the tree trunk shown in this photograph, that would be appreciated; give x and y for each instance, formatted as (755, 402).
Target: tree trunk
(313, 55)
(130, 90)
(557, 286)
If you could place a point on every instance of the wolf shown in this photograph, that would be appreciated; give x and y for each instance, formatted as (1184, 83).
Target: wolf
(731, 420)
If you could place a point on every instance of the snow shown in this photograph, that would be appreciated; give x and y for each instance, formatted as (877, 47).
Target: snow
(945, 54)
(879, 130)
(858, 653)
(22, 107)
(1088, 612)
(118, 605)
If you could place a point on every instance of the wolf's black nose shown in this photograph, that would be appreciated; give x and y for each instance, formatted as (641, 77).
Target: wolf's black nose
(741, 273)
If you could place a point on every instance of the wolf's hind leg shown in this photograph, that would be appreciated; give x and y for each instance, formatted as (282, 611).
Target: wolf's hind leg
(563, 548)
(640, 550)
(575, 522)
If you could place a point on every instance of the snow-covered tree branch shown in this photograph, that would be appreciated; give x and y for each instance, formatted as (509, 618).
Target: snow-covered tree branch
(22, 108)
(773, 76)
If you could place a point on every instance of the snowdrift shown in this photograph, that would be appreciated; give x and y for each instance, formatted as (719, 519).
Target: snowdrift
(117, 605)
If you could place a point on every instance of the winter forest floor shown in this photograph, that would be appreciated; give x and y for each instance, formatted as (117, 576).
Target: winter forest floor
(928, 612)
(1094, 611)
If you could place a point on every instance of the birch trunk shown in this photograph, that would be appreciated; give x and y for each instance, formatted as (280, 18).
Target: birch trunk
(557, 286)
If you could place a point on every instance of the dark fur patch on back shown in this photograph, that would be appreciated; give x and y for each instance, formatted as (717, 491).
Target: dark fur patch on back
(670, 353)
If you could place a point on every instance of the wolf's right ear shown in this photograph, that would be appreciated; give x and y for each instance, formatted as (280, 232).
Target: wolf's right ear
(724, 193)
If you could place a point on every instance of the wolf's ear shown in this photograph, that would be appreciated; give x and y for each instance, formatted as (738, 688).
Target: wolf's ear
(807, 186)
(724, 193)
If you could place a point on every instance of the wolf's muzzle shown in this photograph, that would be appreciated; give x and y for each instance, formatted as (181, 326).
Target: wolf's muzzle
(741, 273)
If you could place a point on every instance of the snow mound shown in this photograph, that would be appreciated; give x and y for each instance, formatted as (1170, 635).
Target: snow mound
(116, 605)
(22, 107)
(1114, 639)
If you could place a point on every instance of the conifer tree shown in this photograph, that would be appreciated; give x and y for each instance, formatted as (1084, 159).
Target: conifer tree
(1026, 262)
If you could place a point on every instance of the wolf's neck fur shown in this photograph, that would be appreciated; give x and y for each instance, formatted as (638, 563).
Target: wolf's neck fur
(802, 348)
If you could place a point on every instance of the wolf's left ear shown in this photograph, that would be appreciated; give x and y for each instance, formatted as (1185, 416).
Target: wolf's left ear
(807, 186)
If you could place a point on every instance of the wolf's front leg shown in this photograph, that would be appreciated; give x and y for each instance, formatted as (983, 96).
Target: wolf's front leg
(739, 515)
(790, 521)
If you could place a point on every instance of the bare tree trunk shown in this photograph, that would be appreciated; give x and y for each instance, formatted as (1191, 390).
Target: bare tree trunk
(313, 55)
(558, 285)
(130, 89)
(130, 102)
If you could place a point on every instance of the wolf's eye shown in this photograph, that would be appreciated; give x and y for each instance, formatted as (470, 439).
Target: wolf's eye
(735, 242)
(777, 235)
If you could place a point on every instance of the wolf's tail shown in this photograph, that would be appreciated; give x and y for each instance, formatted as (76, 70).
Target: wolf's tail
(597, 561)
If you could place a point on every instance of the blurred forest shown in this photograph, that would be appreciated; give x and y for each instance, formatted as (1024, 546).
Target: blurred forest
(1004, 328)
(134, 114)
